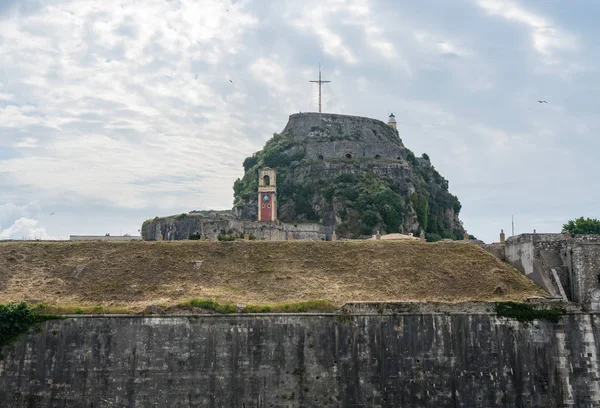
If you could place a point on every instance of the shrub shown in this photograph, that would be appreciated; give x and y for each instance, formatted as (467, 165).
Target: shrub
(201, 303)
(226, 237)
(410, 156)
(16, 319)
(432, 237)
(524, 312)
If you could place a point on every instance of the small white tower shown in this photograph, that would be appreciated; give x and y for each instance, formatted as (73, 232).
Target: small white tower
(392, 121)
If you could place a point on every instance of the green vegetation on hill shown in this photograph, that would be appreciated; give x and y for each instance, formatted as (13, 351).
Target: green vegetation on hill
(371, 202)
(366, 201)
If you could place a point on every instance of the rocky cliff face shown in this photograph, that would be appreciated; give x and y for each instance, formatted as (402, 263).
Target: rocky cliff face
(351, 173)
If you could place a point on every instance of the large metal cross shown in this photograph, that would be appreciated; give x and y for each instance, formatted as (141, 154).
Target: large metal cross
(320, 82)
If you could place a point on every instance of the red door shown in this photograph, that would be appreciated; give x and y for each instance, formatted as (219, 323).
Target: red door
(266, 204)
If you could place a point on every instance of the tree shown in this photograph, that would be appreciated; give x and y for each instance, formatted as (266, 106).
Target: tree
(250, 162)
(582, 226)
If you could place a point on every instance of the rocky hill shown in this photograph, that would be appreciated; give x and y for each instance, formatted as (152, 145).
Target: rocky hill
(352, 173)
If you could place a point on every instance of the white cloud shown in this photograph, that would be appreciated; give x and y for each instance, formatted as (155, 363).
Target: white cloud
(17, 222)
(105, 94)
(24, 228)
(441, 44)
(544, 36)
(316, 18)
(270, 72)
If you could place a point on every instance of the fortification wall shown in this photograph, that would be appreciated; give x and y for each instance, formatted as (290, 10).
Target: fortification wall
(104, 238)
(406, 360)
(179, 228)
(524, 252)
(498, 250)
(583, 262)
(331, 136)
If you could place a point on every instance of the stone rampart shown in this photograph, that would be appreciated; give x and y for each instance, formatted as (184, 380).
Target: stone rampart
(583, 263)
(563, 266)
(330, 136)
(180, 227)
(249, 361)
(529, 253)
(123, 238)
(498, 250)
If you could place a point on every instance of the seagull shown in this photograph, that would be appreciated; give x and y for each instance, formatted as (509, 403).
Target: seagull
(231, 81)
(51, 213)
(542, 102)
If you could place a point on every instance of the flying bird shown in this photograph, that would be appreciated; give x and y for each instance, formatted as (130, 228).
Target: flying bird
(51, 213)
(542, 102)
(231, 81)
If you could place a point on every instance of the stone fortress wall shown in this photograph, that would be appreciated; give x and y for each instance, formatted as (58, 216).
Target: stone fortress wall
(179, 228)
(567, 268)
(123, 238)
(331, 136)
(325, 360)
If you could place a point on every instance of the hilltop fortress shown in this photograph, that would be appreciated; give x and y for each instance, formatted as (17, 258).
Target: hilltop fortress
(261, 324)
(326, 174)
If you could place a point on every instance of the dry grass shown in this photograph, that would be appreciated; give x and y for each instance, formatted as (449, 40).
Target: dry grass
(132, 275)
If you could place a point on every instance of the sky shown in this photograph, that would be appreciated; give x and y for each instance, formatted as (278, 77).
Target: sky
(113, 112)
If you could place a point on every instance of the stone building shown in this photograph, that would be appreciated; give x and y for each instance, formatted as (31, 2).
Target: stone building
(566, 267)
(267, 195)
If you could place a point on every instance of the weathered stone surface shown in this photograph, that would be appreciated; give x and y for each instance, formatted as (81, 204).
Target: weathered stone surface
(330, 136)
(411, 360)
(524, 252)
(583, 265)
(497, 250)
(574, 261)
(179, 228)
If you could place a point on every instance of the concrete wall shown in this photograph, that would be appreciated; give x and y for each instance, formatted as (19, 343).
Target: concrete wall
(407, 360)
(583, 262)
(524, 253)
(575, 261)
(104, 238)
(497, 250)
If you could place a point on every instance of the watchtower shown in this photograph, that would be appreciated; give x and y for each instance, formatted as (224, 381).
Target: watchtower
(267, 194)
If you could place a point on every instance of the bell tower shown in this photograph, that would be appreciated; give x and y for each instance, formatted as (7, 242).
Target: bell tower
(267, 195)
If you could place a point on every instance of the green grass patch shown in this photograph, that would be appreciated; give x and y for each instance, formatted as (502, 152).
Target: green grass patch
(294, 307)
(77, 309)
(526, 313)
(318, 305)
(16, 319)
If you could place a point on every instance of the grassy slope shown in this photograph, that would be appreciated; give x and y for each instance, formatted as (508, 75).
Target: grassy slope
(137, 274)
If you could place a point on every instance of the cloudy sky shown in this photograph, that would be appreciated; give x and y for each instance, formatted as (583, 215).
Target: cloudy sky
(115, 111)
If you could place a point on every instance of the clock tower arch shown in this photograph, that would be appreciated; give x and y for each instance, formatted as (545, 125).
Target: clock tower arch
(267, 195)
